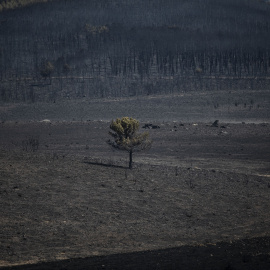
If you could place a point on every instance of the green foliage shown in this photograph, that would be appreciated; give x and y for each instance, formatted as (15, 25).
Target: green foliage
(13, 4)
(96, 29)
(125, 127)
(126, 136)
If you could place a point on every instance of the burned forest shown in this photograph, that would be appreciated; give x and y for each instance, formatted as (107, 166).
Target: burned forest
(187, 82)
(101, 49)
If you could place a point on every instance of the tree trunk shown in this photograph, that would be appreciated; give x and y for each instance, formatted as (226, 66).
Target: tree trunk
(130, 159)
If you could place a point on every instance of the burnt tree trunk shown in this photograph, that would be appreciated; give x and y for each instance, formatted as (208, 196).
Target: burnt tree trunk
(130, 159)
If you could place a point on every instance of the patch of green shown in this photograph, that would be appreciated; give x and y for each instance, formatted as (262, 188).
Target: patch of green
(14, 4)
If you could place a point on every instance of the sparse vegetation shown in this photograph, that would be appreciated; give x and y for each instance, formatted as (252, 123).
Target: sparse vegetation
(179, 64)
(126, 137)
(79, 204)
(13, 4)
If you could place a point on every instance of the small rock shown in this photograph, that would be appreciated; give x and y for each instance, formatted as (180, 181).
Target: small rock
(215, 124)
(45, 121)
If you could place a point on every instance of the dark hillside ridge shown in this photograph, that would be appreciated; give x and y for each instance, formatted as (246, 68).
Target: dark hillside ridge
(89, 48)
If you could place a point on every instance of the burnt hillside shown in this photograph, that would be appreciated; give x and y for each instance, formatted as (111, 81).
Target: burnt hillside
(99, 48)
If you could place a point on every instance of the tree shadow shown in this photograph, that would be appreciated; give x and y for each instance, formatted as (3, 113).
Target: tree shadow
(104, 164)
(241, 254)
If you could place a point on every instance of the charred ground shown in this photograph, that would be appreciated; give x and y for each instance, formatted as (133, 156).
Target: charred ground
(199, 198)
(201, 190)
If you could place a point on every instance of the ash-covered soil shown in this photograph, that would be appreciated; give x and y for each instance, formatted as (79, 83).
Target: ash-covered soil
(201, 106)
(199, 199)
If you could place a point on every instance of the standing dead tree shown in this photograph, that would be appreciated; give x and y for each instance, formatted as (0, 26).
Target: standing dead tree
(126, 137)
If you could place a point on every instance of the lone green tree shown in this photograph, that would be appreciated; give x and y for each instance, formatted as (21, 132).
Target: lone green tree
(126, 137)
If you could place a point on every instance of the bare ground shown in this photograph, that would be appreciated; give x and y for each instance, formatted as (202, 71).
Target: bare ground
(199, 199)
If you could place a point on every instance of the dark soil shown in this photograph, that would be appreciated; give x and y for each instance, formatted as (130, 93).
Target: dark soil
(199, 199)
(201, 106)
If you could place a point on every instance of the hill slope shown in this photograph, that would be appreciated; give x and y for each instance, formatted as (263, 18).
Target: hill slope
(104, 48)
